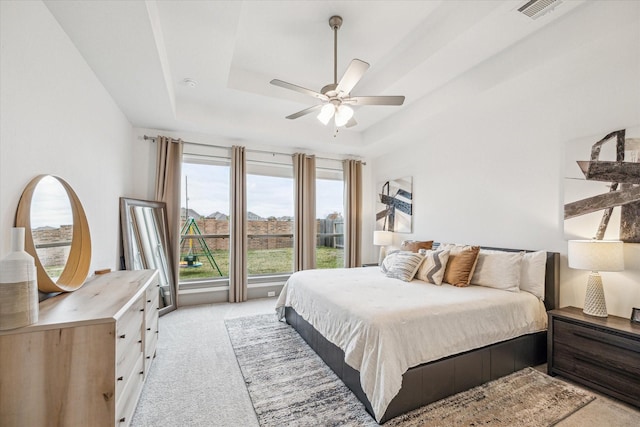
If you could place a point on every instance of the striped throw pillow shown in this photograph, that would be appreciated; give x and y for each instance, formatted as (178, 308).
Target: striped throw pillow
(405, 265)
(433, 267)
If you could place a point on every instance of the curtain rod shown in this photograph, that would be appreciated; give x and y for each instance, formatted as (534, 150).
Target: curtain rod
(153, 139)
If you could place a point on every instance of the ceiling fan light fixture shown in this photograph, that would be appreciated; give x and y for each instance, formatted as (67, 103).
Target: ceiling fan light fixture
(343, 115)
(326, 113)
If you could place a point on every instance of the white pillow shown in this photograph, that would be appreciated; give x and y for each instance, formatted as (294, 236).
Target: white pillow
(500, 270)
(532, 275)
(405, 265)
(432, 268)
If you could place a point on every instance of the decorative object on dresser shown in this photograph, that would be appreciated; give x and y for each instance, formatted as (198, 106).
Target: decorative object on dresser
(145, 241)
(383, 239)
(18, 285)
(596, 255)
(85, 361)
(635, 315)
(61, 247)
(602, 353)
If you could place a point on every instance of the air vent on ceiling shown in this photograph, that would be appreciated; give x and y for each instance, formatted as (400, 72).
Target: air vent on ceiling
(536, 8)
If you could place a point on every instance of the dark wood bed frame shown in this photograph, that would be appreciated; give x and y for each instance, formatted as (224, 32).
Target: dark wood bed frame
(432, 381)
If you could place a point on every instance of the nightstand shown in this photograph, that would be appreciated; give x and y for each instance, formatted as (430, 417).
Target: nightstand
(601, 353)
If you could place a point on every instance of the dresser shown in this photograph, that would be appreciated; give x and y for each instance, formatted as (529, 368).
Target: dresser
(84, 363)
(601, 353)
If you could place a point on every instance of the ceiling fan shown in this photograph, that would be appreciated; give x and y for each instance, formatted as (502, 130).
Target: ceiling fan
(336, 97)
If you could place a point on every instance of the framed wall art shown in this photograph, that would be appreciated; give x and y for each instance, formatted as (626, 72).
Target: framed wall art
(394, 206)
(602, 188)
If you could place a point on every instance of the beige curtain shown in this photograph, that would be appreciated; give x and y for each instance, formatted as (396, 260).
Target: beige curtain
(168, 170)
(238, 227)
(304, 235)
(353, 212)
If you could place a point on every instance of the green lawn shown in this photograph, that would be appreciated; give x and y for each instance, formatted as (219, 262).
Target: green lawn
(261, 261)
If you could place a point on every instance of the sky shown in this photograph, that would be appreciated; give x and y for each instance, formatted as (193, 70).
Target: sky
(50, 204)
(208, 191)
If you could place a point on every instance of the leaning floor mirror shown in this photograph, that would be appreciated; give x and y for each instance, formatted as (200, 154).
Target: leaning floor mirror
(145, 240)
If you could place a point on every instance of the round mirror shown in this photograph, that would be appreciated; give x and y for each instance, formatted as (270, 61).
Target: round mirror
(56, 233)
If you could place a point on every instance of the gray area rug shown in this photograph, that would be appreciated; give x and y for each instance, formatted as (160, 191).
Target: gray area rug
(290, 385)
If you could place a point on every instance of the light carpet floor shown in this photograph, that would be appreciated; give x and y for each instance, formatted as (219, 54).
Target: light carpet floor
(195, 379)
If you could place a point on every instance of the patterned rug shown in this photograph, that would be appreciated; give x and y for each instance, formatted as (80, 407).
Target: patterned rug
(290, 385)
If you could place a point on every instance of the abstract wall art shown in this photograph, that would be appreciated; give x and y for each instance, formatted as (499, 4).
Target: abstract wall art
(602, 188)
(394, 206)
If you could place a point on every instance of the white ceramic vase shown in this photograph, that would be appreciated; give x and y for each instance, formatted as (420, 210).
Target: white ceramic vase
(18, 285)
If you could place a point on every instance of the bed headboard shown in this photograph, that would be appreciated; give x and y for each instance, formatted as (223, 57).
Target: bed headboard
(551, 280)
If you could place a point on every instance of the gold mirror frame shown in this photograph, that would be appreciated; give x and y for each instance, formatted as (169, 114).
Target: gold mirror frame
(76, 269)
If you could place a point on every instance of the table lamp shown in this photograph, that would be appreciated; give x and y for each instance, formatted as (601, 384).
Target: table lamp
(383, 239)
(596, 255)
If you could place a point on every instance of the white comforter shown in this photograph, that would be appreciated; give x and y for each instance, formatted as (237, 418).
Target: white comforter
(385, 326)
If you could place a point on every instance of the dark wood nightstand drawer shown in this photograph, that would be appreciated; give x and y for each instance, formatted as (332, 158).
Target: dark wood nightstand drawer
(614, 352)
(595, 370)
(602, 353)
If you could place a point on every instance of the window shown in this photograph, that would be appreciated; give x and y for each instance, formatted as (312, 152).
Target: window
(270, 222)
(204, 222)
(330, 218)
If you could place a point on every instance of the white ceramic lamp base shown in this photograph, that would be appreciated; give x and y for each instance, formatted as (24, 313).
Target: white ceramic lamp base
(382, 255)
(594, 302)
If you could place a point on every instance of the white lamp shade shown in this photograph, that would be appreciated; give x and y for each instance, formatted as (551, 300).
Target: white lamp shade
(343, 115)
(596, 255)
(382, 238)
(326, 113)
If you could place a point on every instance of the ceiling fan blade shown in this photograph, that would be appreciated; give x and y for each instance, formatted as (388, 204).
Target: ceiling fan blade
(351, 123)
(375, 100)
(352, 76)
(300, 89)
(304, 112)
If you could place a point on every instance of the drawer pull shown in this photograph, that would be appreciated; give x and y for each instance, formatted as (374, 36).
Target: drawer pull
(121, 420)
(122, 336)
(139, 341)
(148, 357)
(141, 372)
(148, 329)
(120, 378)
(600, 340)
(142, 309)
(148, 300)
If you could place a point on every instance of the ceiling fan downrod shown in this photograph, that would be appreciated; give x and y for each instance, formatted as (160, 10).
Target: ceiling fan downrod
(335, 22)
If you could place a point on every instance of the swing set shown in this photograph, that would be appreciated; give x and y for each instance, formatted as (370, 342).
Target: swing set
(190, 260)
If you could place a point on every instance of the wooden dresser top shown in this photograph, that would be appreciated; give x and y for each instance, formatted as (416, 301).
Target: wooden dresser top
(102, 299)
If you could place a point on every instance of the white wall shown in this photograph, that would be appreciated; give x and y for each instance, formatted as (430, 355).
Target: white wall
(58, 119)
(489, 170)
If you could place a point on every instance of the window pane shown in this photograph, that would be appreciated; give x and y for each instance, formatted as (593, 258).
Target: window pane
(270, 219)
(330, 219)
(204, 221)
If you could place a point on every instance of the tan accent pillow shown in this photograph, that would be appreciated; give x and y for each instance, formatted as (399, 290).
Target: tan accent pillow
(461, 264)
(415, 245)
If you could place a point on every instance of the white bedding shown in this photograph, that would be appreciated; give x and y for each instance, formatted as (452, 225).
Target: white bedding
(385, 326)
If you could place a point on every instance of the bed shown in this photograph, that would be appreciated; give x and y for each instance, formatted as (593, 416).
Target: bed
(364, 326)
